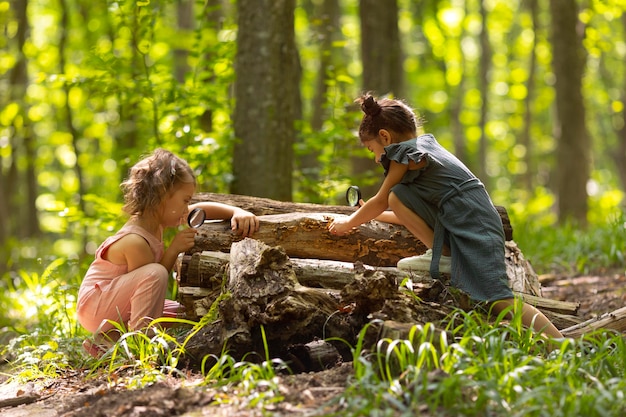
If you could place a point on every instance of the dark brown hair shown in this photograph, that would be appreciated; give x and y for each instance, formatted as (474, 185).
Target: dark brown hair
(390, 114)
(152, 178)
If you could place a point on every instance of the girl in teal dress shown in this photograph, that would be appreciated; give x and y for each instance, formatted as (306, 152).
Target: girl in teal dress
(438, 199)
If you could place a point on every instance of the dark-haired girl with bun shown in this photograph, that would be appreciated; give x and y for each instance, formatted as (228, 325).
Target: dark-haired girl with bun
(438, 199)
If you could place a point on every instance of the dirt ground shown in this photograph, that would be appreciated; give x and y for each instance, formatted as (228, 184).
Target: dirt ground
(307, 394)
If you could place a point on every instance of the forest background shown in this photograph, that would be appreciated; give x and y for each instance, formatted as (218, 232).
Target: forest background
(258, 95)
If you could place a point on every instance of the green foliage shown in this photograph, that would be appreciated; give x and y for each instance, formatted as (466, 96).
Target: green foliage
(45, 302)
(482, 368)
(572, 249)
(244, 382)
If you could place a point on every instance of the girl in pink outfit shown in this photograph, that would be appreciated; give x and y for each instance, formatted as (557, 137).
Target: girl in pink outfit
(127, 281)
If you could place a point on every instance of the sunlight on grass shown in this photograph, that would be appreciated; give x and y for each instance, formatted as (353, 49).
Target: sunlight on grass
(487, 369)
(570, 249)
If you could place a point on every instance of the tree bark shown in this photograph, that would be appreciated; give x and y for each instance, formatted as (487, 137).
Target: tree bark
(573, 142)
(266, 310)
(305, 235)
(326, 26)
(484, 78)
(267, 102)
(528, 177)
(263, 292)
(615, 320)
(264, 206)
(381, 55)
(620, 150)
(201, 278)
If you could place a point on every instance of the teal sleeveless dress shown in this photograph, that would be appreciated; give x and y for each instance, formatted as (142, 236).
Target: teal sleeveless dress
(455, 204)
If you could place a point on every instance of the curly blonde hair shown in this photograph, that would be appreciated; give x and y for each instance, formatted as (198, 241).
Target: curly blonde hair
(151, 179)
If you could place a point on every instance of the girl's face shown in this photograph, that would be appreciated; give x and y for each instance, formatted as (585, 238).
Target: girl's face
(175, 206)
(375, 147)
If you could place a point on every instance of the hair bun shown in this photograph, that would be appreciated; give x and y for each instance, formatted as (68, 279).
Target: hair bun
(370, 106)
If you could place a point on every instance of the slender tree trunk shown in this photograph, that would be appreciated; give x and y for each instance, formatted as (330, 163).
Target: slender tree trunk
(69, 115)
(267, 99)
(458, 93)
(620, 154)
(212, 13)
(127, 132)
(525, 139)
(573, 142)
(381, 55)
(185, 20)
(328, 30)
(485, 65)
(19, 205)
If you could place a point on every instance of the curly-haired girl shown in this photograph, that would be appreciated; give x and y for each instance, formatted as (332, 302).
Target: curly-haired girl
(128, 280)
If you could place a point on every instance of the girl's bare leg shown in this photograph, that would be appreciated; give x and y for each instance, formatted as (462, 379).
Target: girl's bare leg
(414, 223)
(531, 317)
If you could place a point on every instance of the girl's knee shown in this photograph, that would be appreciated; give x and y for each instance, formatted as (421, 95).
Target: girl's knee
(156, 274)
(393, 201)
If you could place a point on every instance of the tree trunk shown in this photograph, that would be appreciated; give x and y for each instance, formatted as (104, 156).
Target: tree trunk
(457, 95)
(483, 79)
(185, 24)
(620, 151)
(525, 136)
(17, 168)
(573, 143)
(327, 28)
(267, 98)
(381, 55)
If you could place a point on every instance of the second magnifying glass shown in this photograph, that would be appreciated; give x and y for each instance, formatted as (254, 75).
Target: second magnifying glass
(353, 195)
(196, 217)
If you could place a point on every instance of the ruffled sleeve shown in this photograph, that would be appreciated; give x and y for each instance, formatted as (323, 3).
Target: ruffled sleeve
(403, 153)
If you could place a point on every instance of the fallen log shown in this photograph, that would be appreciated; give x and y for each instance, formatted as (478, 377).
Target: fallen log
(264, 206)
(557, 306)
(614, 320)
(313, 356)
(205, 268)
(262, 291)
(306, 235)
(201, 284)
(263, 307)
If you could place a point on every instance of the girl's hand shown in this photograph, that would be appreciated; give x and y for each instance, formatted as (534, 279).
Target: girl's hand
(184, 240)
(340, 226)
(244, 223)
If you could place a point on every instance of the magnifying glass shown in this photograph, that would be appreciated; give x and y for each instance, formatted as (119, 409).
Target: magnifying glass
(196, 217)
(353, 195)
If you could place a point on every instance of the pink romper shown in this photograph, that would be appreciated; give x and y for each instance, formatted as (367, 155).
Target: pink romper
(110, 292)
